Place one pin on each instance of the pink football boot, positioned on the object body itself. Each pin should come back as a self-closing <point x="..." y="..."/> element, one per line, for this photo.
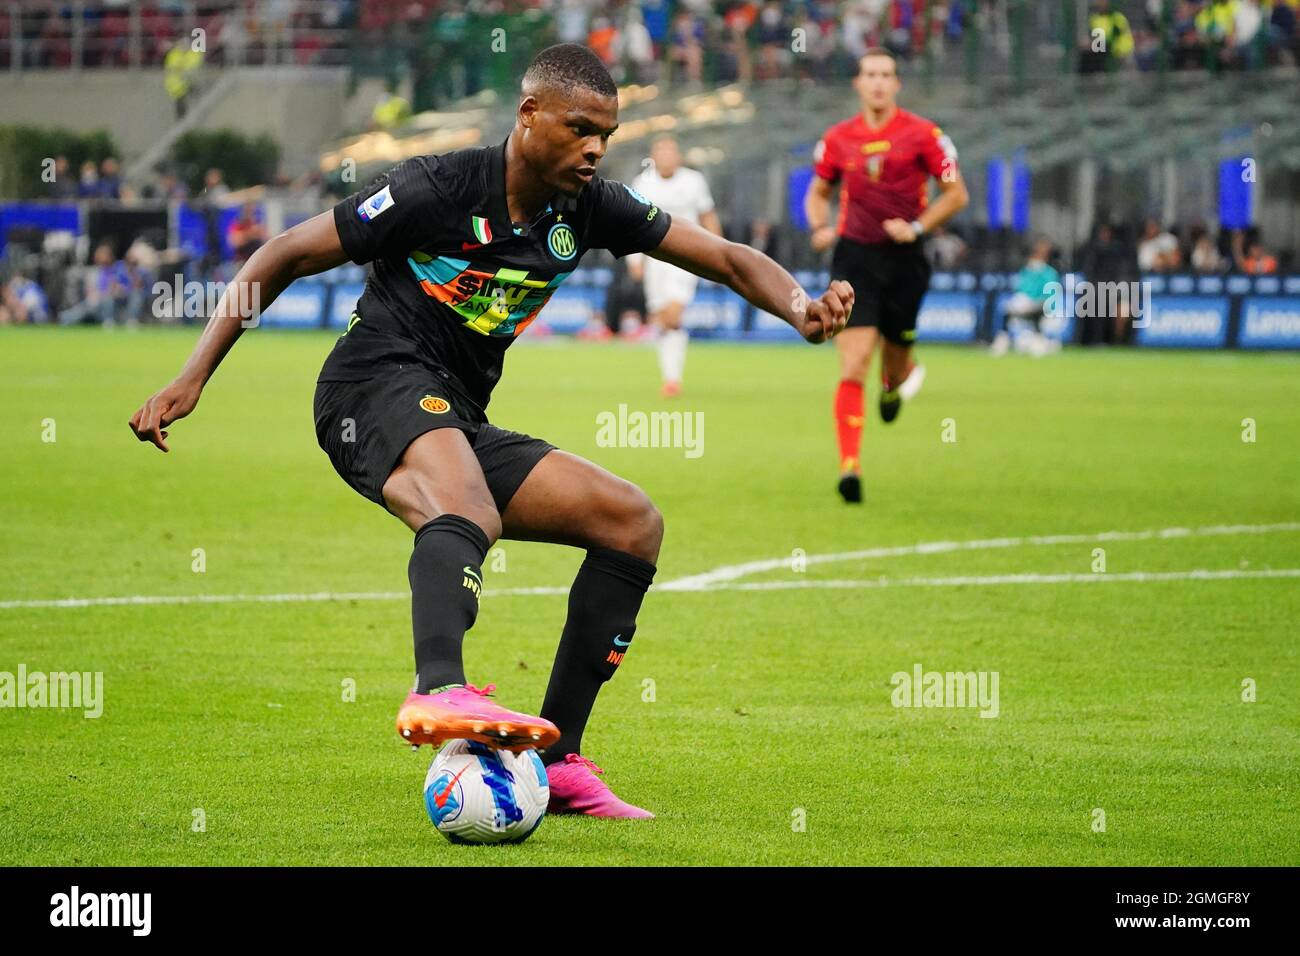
<point x="575" y="788"/>
<point x="465" y="713"/>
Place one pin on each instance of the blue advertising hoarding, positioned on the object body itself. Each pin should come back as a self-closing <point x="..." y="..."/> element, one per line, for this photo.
<point x="301" y="306"/>
<point x="343" y="299"/>
<point x="1185" y="322"/>
<point x="949" y="317"/>
<point x="1269" y="322"/>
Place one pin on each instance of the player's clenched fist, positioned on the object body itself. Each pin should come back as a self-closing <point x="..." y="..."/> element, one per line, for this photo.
<point x="826" y="316"/>
<point x="172" y="403"/>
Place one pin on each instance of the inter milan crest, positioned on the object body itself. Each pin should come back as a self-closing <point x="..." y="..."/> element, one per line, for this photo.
<point x="562" y="242"/>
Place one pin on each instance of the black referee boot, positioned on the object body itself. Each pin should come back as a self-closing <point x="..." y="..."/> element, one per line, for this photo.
<point x="851" y="489"/>
<point x="891" y="403"/>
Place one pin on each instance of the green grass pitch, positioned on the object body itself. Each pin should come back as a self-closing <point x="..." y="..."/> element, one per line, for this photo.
<point x="754" y="718"/>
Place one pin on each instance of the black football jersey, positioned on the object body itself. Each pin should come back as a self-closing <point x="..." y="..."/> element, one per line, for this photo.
<point x="455" y="281"/>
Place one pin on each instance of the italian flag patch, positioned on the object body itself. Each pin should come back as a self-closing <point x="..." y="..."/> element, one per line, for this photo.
<point x="482" y="231"/>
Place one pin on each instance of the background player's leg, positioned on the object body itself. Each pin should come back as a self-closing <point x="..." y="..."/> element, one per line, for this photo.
<point x="671" y="346"/>
<point x="895" y="365"/>
<point x="911" y="384"/>
<point x="896" y="368"/>
<point x="1001" y="343"/>
<point x="905" y="293"/>
<point x="439" y="491"/>
<point x="855" y="346"/>
<point x="568" y="500"/>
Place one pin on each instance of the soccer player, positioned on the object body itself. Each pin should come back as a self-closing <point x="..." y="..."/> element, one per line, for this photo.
<point x="882" y="159"/>
<point x="467" y="248"/>
<point x="684" y="194"/>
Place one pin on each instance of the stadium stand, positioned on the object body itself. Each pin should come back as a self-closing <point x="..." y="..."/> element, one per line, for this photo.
<point x="697" y="40"/>
<point x="1048" y="128"/>
<point x="50" y="34"/>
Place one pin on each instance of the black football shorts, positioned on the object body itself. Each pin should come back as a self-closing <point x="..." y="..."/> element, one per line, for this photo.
<point x="889" y="282"/>
<point x="365" y="426"/>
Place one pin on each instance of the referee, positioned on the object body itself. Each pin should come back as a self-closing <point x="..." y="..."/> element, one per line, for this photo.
<point x="882" y="159"/>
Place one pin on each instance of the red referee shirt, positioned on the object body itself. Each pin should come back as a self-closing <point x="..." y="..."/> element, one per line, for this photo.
<point x="884" y="173"/>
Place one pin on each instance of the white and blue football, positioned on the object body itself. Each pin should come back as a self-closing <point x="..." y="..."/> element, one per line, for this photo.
<point x="475" y="794"/>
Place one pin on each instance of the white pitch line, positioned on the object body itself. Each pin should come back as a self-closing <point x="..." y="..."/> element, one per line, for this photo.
<point x="154" y="599"/>
<point x="733" y="571"/>
<point x="1200" y="574"/>
<point x="312" y="597"/>
<point x="724" y="578"/>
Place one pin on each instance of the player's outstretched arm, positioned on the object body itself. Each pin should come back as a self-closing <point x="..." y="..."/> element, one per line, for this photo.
<point x="306" y="249"/>
<point x="759" y="279"/>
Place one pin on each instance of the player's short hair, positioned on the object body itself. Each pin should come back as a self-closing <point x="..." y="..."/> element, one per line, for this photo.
<point x="566" y="66"/>
<point x="879" y="51"/>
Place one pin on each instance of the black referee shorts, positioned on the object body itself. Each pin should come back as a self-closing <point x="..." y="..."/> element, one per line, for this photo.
<point x="365" y="427"/>
<point x="889" y="281"/>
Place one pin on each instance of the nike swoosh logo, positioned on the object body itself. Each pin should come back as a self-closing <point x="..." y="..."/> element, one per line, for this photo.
<point x="619" y="643"/>
<point x="467" y="246"/>
<point x="472" y="573"/>
<point x="441" y="798"/>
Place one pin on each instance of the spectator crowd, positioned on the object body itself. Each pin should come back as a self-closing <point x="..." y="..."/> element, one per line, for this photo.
<point x="1192" y="34"/>
<point x="52" y="281"/>
<point x="695" y="40"/>
<point x="757" y="40"/>
<point x="58" y="34"/>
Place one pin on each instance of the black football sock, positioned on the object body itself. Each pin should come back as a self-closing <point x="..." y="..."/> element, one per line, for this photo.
<point x="446" y="576"/>
<point x="603" y="604"/>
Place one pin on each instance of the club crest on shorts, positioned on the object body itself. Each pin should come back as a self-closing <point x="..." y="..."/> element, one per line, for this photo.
<point x="434" y="404"/>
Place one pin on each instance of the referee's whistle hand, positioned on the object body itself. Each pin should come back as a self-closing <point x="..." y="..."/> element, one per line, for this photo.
<point x="900" y="230"/>
<point x="826" y="315"/>
<point x="823" y="238"/>
<point x="170" y="404"/>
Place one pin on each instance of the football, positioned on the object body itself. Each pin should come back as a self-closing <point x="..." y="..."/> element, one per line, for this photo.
<point x="475" y="794"/>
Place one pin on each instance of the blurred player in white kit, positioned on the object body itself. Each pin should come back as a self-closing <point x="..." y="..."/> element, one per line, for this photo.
<point x="681" y="192"/>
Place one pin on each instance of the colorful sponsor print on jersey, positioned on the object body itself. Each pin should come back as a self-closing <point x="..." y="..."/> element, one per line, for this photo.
<point x="490" y="300"/>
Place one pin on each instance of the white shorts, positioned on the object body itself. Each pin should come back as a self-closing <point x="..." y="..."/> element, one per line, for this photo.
<point x="666" y="283"/>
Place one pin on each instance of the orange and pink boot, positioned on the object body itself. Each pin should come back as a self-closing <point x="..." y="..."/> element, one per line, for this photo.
<point x="463" y="712"/>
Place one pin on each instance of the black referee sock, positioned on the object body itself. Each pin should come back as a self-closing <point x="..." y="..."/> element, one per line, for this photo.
<point x="446" y="576"/>
<point x="603" y="604"/>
